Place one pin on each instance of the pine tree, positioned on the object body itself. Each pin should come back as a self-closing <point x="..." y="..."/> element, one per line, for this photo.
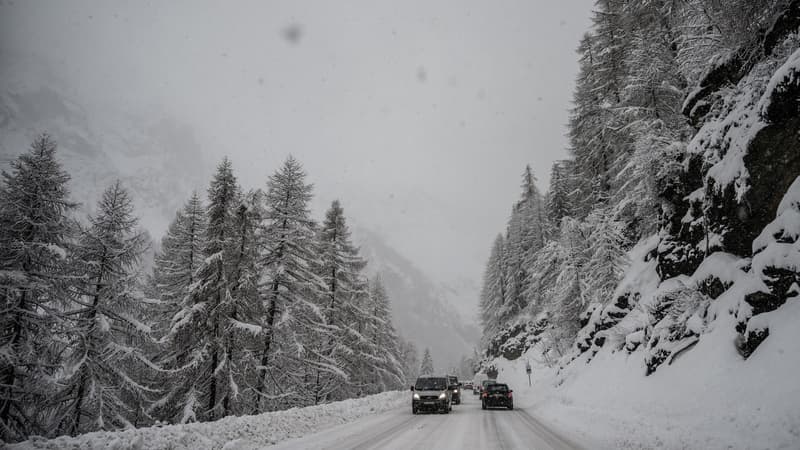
<point x="493" y="291"/>
<point x="534" y="217"/>
<point x="410" y="359"/>
<point x="35" y="246"/>
<point x="245" y="309"/>
<point x="558" y="201"/>
<point x="198" y="331"/>
<point x="344" y="324"/>
<point x="174" y="274"/>
<point x="180" y="256"/>
<point x="606" y="259"/>
<point x="545" y="270"/>
<point x="526" y="234"/>
<point x="710" y="29"/>
<point x="387" y="356"/>
<point x="99" y="389"/>
<point x="652" y="98"/>
<point x="599" y="141"/>
<point x="571" y="295"/>
<point x="288" y="285"/>
<point x="426" y="367"/>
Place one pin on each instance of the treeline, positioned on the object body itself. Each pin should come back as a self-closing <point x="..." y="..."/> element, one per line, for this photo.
<point x="563" y="252"/>
<point x="252" y="306"/>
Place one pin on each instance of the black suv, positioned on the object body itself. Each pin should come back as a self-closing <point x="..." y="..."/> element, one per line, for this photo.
<point x="431" y="393"/>
<point x="455" y="389"/>
<point x="497" y="394"/>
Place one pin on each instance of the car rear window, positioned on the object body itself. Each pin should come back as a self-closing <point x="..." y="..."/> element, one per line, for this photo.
<point x="497" y="388"/>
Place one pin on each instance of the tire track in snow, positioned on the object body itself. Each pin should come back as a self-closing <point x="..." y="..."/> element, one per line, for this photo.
<point x="383" y="435"/>
<point x="499" y="434"/>
<point x="544" y="433"/>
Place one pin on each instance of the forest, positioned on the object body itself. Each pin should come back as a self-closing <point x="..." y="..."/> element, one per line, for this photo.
<point x="251" y="306"/>
<point x="680" y="152"/>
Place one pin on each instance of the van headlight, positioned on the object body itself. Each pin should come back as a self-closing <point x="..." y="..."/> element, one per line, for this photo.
<point x="416" y="396"/>
<point x="455" y="391"/>
<point x="442" y="396"/>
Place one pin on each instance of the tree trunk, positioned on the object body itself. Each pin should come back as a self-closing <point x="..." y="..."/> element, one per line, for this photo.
<point x="9" y="372"/>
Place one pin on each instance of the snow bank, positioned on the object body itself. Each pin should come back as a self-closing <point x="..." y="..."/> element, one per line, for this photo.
<point x="709" y="397"/>
<point x="247" y="432"/>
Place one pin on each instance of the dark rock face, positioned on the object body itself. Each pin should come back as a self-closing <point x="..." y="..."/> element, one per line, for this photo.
<point x="772" y="160"/>
<point x="747" y="346"/>
<point x="669" y="330"/>
<point x="713" y="287"/>
<point x="727" y="72"/>
<point x="678" y="251"/>
<point x="779" y="282"/>
<point x="604" y="319"/>
<point x="773" y="156"/>
<point x="513" y="341"/>
<point x="786" y="23"/>
<point x="731" y="70"/>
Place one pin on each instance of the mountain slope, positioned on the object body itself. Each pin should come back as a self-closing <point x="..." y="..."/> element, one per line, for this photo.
<point x="697" y="345"/>
<point x="420" y="311"/>
<point x="151" y="154"/>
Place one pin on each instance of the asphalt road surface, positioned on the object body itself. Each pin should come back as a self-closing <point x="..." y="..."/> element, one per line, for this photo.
<point x="466" y="427"/>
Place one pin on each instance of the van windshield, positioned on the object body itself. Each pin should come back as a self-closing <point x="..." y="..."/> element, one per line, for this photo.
<point x="430" y="384"/>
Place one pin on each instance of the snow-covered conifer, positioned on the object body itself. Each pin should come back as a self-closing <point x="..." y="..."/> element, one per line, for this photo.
<point x="410" y="358"/>
<point x="288" y="285"/>
<point x="99" y="387"/>
<point x="35" y="242"/>
<point x="197" y="335"/>
<point x="387" y="357"/>
<point x="493" y="290"/>
<point x="181" y="254"/>
<point x="606" y="258"/>
<point x="426" y="367"/>
<point x="345" y="321"/>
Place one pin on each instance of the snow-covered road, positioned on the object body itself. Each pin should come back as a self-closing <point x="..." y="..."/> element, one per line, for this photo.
<point x="466" y="427"/>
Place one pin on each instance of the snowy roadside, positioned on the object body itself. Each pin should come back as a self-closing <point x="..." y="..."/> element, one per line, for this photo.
<point x="708" y="398"/>
<point x="246" y="432"/>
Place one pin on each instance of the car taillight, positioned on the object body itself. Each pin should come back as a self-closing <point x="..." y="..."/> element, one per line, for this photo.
<point x="485" y="395"/>
<point x="509" y="395"/>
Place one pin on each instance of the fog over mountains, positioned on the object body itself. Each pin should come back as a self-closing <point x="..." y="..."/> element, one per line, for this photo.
<point x="151" y="153"/>
<point x="425" y="312"/>
<point x="161" y="160"/>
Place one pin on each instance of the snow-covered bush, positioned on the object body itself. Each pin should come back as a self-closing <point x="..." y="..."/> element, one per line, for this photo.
<point x="677" y="318"/>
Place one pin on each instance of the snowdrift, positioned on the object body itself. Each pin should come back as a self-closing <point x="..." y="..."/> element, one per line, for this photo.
<point x="247" y="432"/>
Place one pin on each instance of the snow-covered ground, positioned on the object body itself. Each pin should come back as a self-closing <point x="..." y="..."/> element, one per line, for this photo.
<point x="230" y="433"/>
<point x="709" y="397"/>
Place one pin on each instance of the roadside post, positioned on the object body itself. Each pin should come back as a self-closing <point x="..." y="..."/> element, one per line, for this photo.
<point x="528" y="370"/>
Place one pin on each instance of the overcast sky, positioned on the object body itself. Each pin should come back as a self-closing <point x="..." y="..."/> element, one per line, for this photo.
<point x="419" y="115"/>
